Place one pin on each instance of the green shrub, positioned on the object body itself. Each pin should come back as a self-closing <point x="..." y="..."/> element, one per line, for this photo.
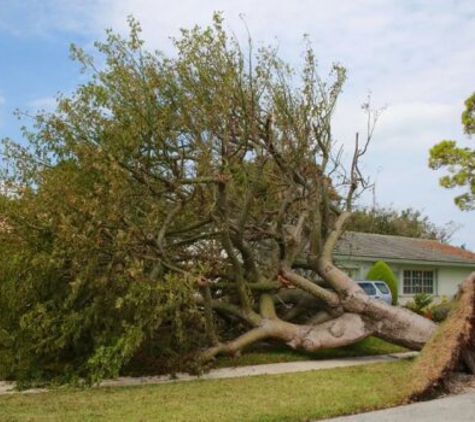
<point x="441" y="312"/>
<point x="423" y="300"/>
<point x="381" y="271"/>
<point x="421" y="304"/>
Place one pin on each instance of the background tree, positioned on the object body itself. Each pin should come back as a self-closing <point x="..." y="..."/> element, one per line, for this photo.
<point x="169" y="197"/>
<point x="458" y="161"/>
<point x="408" y="222"/>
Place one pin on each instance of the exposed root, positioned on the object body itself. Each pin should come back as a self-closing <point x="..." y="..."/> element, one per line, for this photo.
<point x="451" y="349"/>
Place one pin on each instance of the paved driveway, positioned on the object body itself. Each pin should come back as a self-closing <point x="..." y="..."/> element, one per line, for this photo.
<point x="460" y="408"/>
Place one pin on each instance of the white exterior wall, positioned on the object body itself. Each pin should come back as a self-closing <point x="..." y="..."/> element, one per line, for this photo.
<point x="447" y="278"/>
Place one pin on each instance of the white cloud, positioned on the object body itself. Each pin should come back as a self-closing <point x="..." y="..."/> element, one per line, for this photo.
<point x="415" y="125"/>
<point x="45" y="103"/>
<point x="416" y="57"/>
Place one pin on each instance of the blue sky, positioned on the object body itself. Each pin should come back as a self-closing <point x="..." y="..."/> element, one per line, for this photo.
<point x="416" y="57"/>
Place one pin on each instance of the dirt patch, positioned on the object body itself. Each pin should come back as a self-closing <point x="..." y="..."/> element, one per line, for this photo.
<point x="461" y="383"/>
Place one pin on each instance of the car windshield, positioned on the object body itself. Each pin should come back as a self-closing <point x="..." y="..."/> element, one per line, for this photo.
<point x="369" y="289"/>
<point x="382" y="288"/>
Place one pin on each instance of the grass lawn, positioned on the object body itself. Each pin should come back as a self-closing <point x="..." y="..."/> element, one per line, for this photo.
<point x="367" y="347"/>
<point x="275" y="398"/>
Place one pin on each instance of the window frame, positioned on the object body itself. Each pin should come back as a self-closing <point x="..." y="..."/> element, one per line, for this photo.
<point x="412" y="290"/>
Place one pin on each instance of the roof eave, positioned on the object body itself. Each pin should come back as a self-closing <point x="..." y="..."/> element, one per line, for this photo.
<point x="405" y="261"/>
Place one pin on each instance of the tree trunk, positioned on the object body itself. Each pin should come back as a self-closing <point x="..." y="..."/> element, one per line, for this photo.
<point x="394" y="324"/>
<point x="348" y="315"/>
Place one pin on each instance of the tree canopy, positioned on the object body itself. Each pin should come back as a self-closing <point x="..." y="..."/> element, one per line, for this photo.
<point x="458" y="161"/>
<point x="193" y="201"/>
<point x="408" y="222"/>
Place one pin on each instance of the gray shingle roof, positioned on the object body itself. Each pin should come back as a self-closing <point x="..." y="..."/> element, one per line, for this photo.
<point x="378" y="246"/>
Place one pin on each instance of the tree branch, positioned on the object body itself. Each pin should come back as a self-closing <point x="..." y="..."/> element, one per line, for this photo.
<point x="327" y="296"/>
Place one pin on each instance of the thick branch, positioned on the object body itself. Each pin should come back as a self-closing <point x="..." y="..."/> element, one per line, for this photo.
<point x="327" y="296"/>
<point x="344" y="330"/>
<point x="334" y="235"/>
<point x="339" y="332"/>
<point x="236" y="345"/>
<point x="262" y="285"/>
<point x="208" y="313"/>
<point x="249" y="317"/>
<point x="228" y="247"/>
<point x="266" y="306"/>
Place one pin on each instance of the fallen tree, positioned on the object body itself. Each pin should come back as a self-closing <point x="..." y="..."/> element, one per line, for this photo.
<point x="202" y="193"/>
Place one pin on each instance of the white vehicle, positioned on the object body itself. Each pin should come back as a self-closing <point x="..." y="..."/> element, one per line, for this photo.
<point x="377" y="289"/>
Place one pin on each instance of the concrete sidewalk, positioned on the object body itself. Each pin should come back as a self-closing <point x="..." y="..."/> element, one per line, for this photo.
<point x="242" y="371"/>
<point x="266" y="369"/>
<point x="460" y="408"/>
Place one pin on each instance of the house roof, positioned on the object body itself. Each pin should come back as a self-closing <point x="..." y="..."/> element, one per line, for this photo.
<point x="399" y="248"/>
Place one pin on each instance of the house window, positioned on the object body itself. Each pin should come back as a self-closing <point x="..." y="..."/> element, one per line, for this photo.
<point x="418" y="281"/>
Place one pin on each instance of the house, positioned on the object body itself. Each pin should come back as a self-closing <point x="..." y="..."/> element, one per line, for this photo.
<point x="421" y="265"/>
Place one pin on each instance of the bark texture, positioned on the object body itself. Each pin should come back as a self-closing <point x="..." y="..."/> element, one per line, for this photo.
<point x="355" y="318"/>
<point x="343" y="314"/>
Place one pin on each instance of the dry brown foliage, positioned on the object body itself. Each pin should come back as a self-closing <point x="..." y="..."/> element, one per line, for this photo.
<point x="450" y="349"/>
